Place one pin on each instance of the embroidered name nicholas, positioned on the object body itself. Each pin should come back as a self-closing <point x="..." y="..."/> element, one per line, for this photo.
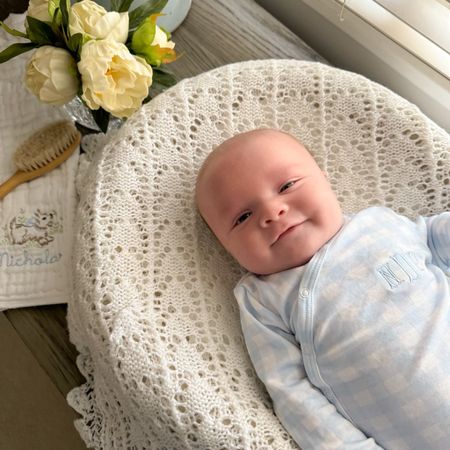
<point x="26" y="258"/>
<point x="400" y="268"/>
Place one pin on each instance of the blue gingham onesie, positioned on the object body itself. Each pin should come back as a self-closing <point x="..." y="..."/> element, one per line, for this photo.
<point x="354" y="346"/>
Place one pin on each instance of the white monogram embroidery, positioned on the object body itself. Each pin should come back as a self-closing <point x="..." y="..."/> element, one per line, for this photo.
<point x="401" y="268"/>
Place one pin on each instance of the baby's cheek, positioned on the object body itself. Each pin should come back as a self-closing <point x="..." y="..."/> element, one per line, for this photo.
<point x="250" y="258"/>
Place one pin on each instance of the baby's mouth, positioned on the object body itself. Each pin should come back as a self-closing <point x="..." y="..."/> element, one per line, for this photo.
<point x="286" y="232"/>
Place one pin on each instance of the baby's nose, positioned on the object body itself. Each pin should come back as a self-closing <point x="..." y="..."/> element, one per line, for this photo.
<point x="273" y="212"/>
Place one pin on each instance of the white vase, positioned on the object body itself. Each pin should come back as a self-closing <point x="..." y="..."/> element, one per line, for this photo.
<point x="174" y="12"/>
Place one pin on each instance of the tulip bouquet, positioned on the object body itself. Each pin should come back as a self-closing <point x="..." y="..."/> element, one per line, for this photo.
<point x="113" y="60"/>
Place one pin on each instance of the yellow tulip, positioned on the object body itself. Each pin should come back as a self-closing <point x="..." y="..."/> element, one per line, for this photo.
<point x="113" y="78"/>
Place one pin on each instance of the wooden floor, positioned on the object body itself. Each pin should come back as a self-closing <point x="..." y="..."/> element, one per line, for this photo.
<point x="34" y="413"/>
<point x="37" y="360"/>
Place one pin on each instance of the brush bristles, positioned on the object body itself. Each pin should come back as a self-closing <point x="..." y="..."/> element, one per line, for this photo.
<point x="45" y="145"/>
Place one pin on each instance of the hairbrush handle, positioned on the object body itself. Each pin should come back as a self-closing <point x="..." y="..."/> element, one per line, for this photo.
<point x="18" y="178"/>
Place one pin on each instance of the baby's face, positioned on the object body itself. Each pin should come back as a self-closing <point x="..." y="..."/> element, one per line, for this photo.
<point x="268" y="202"/>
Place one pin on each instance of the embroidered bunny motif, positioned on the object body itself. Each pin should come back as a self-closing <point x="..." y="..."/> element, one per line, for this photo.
<point x="39" y="229"/>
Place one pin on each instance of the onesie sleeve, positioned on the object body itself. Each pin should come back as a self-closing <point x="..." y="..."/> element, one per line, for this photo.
<point x="308" y="416"/>
<point x="438" y="238"/>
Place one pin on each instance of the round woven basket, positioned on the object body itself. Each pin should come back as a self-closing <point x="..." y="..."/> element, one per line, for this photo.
<point x="153" y="315"/>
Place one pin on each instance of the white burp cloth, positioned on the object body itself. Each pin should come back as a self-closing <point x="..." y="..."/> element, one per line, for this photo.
<point x="36" y="217"/>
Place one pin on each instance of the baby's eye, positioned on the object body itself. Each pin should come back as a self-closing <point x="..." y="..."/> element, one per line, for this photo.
<point x="287" y="185"/>
<point x="242" y="218"/>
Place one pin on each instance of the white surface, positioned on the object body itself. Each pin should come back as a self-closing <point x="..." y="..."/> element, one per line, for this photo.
<point x="429" y="17"/>
<point x="400" y="32"/>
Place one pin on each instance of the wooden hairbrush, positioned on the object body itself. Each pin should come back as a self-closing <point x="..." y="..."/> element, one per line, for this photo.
<point x="43" y="151"/>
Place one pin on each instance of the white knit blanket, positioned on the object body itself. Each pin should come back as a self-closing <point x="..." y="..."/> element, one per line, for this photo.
<point x="153" y="315"/>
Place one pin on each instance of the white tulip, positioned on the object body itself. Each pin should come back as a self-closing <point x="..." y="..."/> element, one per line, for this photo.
<point x="39" y="10"/>
<point x="113" y="78"/>
<point x="161" y="39"/>
<point x="152" y="43"/>
<point x="51" y="75"/>
<point x="90" y="19"/>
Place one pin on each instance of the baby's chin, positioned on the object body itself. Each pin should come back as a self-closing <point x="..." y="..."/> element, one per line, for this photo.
<point x="293" y="256"/>
<point x="272" y="267"/>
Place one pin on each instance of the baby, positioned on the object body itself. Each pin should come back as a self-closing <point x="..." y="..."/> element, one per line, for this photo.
<point x="346" y="318"/>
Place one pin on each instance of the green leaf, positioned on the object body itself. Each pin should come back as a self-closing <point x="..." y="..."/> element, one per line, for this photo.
<point x="125" y="6"/>
<point x="75" y="42"/>
<point x="12" y="30"/>
<point x="56" y="20"/>
<point x="163" y="77"/>
<point x="121" y="5"/>
<point x="40" y="32"/>
<point x="115" y="5"/>
<point x="161" y="81"/>
<point x="53" y="5"/>
<point x="101" y="118"/>
<point x="142" y="12"/>
<point x="15" y="50"/>
<point x="64" y="6"/>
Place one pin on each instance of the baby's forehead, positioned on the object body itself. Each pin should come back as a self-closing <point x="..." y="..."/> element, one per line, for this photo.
<point x="254" y="145"/>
